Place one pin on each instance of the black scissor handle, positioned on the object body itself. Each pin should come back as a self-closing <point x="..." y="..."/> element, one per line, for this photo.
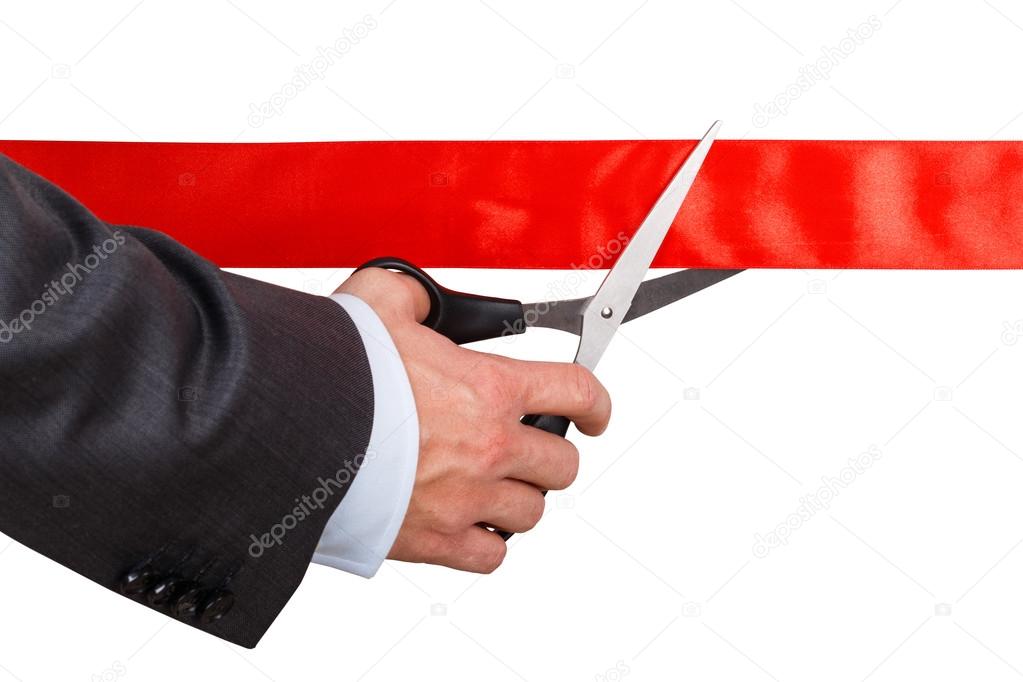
<point x="461" y="317"/>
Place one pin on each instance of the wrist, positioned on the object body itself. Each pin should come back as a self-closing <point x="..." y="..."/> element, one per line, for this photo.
<point x="361" y="532"/>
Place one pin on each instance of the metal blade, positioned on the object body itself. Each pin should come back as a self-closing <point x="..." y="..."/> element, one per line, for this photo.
<point x="566" y="316"/>
<point x="656" y="293"/>
<point x="609" y="306"/>
<point x="653" y="294"/>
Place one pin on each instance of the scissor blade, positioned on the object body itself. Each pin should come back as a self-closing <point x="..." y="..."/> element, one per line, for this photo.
<point x="609" y="306"/>
<point x="653" y="294"/>
<point x="656" y="293"/>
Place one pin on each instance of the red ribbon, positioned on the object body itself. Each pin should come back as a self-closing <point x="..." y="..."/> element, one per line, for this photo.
<point x="798" y="204"/>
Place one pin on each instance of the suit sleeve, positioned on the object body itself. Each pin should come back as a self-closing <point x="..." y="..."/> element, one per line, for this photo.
<point x="175" y="433"/>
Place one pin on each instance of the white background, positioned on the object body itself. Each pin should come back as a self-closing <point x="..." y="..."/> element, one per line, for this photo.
<point x="645" y="568"/>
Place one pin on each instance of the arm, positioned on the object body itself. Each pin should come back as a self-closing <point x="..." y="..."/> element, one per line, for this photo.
<point x="161" y="412"/>
<point x="182" y="435"/>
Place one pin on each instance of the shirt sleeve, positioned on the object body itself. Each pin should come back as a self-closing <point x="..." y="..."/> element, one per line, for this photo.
<point x="363" y="528"/>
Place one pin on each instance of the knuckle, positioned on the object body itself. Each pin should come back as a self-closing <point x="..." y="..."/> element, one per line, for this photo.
<point x="385" y="290"/>
<point x="534" y="510"/>
<point x="492" y="556"/>
<point x="570" y="468"/>
<point x="492" y="382"/>
<point x="449" y="512"/>
<point x="587" y="392"/>
<point x="375" y="277"/>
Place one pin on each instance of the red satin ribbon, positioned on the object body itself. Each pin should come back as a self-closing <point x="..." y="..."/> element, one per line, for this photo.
<point x="799" y="204"/>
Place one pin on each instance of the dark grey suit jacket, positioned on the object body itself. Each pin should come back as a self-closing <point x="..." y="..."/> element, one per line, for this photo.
<point x="164" y="425"/>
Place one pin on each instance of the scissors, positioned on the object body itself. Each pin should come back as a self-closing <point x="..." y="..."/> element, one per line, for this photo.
<point x="622" y="297"/>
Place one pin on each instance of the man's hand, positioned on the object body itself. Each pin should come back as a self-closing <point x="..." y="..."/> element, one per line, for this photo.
<point x="477" y="463"/>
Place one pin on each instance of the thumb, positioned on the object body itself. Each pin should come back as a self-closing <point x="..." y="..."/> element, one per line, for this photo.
<point x="391" y="295"/>
<point x="418" y="295"/>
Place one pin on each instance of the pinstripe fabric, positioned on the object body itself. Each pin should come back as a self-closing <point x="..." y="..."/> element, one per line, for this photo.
<point x="149" y="400"/>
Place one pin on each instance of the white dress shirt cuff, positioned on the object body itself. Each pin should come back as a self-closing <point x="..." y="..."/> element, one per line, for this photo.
<point x="362" y="529"/>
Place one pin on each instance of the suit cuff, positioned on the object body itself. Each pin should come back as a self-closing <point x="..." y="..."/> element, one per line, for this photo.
<point x="362" y="529"/>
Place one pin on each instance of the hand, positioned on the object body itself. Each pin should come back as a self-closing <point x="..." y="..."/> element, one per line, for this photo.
<point x="477" y="463"/>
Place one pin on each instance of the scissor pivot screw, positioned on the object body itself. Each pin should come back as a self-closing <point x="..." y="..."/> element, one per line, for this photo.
<point x="606" y="312"/>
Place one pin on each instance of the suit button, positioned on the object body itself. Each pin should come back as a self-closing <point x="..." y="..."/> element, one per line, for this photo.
<point x="216" y="606"/>
<point x="190" y="596"/>
<point x="163" y="591"/>
<point x="137" y="580"/>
